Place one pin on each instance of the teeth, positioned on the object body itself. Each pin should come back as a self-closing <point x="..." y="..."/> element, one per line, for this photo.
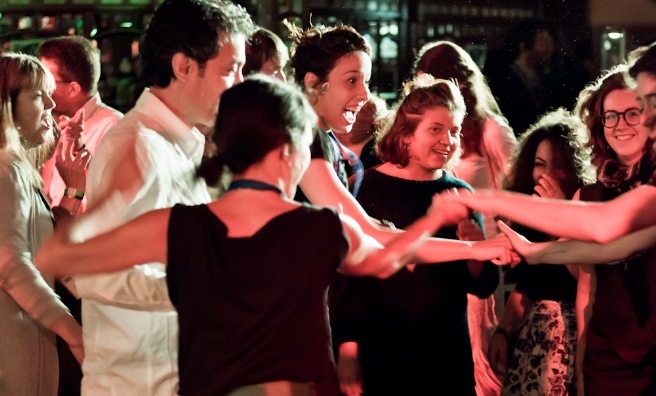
<point x="624" y="137"/>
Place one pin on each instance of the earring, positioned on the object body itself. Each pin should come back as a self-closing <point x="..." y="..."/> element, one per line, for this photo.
<point x="324" y="88"/>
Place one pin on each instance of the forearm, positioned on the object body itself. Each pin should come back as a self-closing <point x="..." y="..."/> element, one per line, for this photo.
<point x="587" y="221"/>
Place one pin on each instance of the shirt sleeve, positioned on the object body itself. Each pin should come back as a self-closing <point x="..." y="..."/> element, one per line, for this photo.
<point x="18" y="276"/>
<point x="142" y="287"/>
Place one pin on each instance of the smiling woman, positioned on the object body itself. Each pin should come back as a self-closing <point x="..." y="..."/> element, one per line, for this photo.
<point x="420" y="312"/>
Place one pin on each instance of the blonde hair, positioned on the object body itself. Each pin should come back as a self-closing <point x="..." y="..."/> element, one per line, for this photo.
<point x="19" y="72"/>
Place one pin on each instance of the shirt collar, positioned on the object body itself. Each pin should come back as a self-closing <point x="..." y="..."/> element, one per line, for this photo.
<point x="190" y="140"/>
<point x="90" y="106"/>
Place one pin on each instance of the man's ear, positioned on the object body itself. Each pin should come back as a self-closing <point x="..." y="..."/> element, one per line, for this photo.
<point x="182" y="66"/>
<point x="310" y="81"/>
<point x="73" y="89"/>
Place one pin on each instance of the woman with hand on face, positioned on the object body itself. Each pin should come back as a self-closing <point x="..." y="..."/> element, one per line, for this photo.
<point x="248" y="273"/>
<point x="412" y="335"/>
<point x="551" y="161"/>
<point x="31" y="311"/>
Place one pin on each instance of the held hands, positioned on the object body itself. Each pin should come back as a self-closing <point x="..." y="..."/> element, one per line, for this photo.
<point x="548" y="187"/>
<point x="520" y="245"/>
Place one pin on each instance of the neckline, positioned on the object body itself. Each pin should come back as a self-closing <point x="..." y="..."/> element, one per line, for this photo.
<point x="252" y="184"/>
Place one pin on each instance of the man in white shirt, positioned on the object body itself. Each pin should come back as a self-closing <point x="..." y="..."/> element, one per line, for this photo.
<point x="193" y="50"/>
<point x="75" y="64"/>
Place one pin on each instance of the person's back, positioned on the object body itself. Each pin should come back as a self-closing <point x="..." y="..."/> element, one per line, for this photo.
<point x="251" y="299"/>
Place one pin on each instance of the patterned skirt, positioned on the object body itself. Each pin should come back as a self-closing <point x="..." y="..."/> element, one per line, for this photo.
<point x="542" y="363"/>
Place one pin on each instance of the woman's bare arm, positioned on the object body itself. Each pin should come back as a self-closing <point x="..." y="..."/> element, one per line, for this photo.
<point x="587" y="221"/>
<point x="322" y="187"/>
<point x="141" y="240"/>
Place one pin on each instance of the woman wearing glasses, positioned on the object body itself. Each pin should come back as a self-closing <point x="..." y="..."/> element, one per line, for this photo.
<point x="611" y="306"/>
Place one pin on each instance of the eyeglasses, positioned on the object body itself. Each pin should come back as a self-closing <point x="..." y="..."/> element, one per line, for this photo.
<point x="611" y="118"/>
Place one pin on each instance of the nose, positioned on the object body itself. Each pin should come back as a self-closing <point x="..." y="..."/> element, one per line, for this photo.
<point x="363" y="93"/>
<point x="48" y="102"/>
<point x="239" y="77"/>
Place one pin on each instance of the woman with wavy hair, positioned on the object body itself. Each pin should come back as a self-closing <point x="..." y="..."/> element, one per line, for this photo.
<point x="411" y="333"/>
<point x="31" y="311"/>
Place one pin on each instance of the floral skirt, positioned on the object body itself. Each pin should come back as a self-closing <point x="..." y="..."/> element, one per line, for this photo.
<point x="543" y="359"/>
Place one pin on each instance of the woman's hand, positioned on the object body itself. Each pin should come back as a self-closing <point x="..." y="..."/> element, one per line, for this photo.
<point x="498" y="354"/>
<point x="447" y="211"/>
<point x="72" y="129"/>
<point x="71" y="164"/>
<point x="522" y="246"/>
<point x="548" y="187"/>
<point x="497" y="250"/>
<point x="349" y="370"/>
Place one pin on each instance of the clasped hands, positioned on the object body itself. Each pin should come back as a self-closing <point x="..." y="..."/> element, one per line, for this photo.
<point x="508" y="247"/>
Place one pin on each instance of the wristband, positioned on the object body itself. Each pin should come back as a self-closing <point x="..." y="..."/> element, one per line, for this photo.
<point x="74" y="193"/>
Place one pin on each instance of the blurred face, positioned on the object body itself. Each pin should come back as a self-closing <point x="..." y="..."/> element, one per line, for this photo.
<point x="545" y="163"/>
<point x="434" y="141"/>
<point x="33" y="115"/>
<point x="344" y="93"/>
<point x="543" y="47"/>
<point x="628" y="141"/>
<point x="60" y="95"/>
<point x="220" y="73"/>
<point x="274" y="68"/>
<point x="646" y="93"/>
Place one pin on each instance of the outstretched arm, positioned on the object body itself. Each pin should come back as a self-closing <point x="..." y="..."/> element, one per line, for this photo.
<point x="141" y="240"/>
<point x="573" y="251"/>
<point x="588" y="221"/>
<point x="322" y="187"/>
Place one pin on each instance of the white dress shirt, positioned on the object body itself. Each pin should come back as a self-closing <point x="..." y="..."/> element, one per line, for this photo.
<point x="98" y="119"/>
<point x="130" y="327"/>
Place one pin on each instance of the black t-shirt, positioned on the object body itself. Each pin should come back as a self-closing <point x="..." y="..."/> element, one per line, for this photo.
<point x="252" y="309"/>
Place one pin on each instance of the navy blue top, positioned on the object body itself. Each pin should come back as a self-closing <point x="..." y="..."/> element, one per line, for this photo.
<point x="412" y="327"/>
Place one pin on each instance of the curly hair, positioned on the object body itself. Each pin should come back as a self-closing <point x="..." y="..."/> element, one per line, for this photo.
<point x="446" y="60"/>
<point x="590" y="109"/>
<point x="643" y="60"/>
<point x="566" y="134"/>
<point x="194" y="28"/>
<point x="421" y="93"/>
<point x="317" y="49"/>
